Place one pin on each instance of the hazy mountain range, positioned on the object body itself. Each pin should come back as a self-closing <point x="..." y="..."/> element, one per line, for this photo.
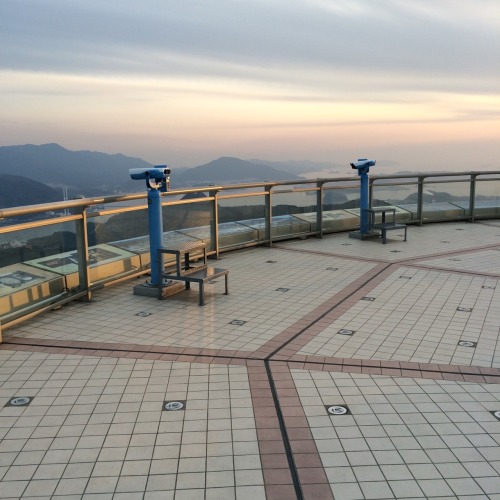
<point x="91" y="173"/>
<point x="82" y="172"/>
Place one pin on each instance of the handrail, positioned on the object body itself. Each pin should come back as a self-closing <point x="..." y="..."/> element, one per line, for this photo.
<point x="86" y="202"/>
<point x="437" y="174"/>
<point x="61" y="205"/>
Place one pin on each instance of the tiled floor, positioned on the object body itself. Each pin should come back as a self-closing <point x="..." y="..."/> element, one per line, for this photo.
<point x="433" y="239"/>
<point x="308" y="324"/>
<point x="419" y="316"/>
<point x="98" y="426"/>
<point x="270" y="290"/>
<point x="480" y="262"/>
<point x="403" y="437"/>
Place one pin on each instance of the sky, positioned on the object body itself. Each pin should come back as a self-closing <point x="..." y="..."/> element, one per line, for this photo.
<point x="184" y="82"/>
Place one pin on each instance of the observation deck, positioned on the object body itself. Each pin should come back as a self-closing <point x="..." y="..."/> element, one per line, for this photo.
<point x="336" y="368"/>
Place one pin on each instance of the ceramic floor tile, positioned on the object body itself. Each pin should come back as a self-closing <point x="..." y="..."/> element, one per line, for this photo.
<point x="423" y="336"/>
<point x="120" y="459"/>
<point x="385" y="467"/>
<point x="96" y="425"/>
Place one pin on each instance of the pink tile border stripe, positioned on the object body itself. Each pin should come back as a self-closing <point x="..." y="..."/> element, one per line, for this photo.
<point x="311" y="473"/>
<point x="477" y="374"/>
<point x="325" y="309"/>
<point x="404" y="260"/>
<point x="436" y="371"/>
<point x="278" y="480"/>
<point x="333" y="309"/>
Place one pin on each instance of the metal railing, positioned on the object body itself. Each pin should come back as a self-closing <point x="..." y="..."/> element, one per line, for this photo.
<point x="61" y="268"/>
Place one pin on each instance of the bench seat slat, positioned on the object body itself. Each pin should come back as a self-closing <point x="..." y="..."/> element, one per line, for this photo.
<point x="387" y="226"/>
<point x="201" y="276"/>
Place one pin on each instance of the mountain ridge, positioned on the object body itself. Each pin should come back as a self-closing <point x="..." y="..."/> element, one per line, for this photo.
<point x="230" y="169"/>
<point x="92" y="173"/>
<point x="16" y="190"/>
<point x="82" y="172"/>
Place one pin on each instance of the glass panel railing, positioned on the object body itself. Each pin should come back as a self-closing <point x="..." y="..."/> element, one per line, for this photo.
<point x="487" y="199"/>
<point x="294" y="213"/>
<point x="119" y="242"/>
<point x="114" y="227"/>
<point x="402" y="195"/>
<point x="242" y="220"/>
<point x="446" y="199"/>
<point x="340" y="196"/>
<point x="18" y="246"/>
<point x="36" y="265"/>
<point x="187" y="222"/>
<point x="340" y="207"/>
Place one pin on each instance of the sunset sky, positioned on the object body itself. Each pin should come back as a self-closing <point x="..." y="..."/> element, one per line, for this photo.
<point x="183" y="81"/>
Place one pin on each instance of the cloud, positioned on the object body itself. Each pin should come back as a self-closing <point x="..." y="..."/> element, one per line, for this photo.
<point x="180" y="71"/>
<point x="249" y="40"/>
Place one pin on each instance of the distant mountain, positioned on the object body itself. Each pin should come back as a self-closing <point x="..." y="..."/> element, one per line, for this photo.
<point x="82" y="172"/>
<point x="227" y="170"/>
<point x="91" y="173"/>
<point x="16" y="191"/>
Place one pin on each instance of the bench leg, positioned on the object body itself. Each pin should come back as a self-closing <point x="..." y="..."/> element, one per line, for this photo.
<point x="202" y="298"/>
<point x="384" y="236"/>
<point x="405" y="232"/>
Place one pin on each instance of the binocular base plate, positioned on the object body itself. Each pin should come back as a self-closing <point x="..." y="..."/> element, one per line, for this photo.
<point x="358" y="235"/>
<point x="169" y="288"/>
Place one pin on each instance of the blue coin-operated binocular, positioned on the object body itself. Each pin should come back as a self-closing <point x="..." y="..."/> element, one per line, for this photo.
<point x="159" y="175"/>
<point x="363" y="167"/>
<point x="157" y="182"/>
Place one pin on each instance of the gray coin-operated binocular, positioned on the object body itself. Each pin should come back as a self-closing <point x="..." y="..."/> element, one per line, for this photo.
<point x="363" y="165"/>
<point x="156" y="177"/>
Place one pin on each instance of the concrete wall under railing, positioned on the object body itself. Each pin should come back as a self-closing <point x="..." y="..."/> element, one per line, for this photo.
<point x="37" y="282"/>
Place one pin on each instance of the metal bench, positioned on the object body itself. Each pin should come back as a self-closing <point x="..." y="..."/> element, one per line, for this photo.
<point x="191" y="274"/>
<point x="387" y="226"/>
<point x="201" y="275"/>
<point x="384" y="226"/>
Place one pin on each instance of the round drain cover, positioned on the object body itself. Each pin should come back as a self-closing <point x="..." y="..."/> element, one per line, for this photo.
<point x="346" y="332"/>
<point x="337" y="410"/>
<point x="174" y="405"/>
<point x="19" y="401"/>
<point x="466" y="343"/>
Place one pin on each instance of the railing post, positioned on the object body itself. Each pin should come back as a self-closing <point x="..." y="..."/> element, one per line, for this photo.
<point x="420" y="200"/>
<point x="319" y="208"/>
<point x="370" y="192"/>
<point x="472" y="197"/>
<point x="82" y="250"/>
<point x="214" y="222"/>
<point x="269" y="217"/>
